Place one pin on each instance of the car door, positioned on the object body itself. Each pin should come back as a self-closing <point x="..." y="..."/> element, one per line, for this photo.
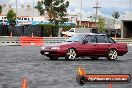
<point x="102" y="44"/>
<point x="89" y="46"/>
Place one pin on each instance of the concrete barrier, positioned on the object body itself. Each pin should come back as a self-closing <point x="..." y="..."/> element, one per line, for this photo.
<point x="15" y="41"/>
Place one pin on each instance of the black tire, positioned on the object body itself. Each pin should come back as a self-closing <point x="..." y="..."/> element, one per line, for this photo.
<point x="53" y="58"/>
<point x="94" y="58"/>
<point x="41" y="52"/>
<point x="112" y="54"/>
<point x="71" y="54"/>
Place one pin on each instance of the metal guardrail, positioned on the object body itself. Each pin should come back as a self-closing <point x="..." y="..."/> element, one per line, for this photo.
<point x="15" y="41"/>
<point x="53" y="40"/>
<point x="124" y="40"/>
<point x="7" y="40"/>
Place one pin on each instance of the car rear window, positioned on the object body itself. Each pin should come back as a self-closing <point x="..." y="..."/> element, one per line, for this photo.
<point x="75" y="38"/>
<point x="104" y="39"/>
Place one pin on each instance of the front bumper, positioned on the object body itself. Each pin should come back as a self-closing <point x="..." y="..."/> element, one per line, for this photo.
<point x="53" y="52"/>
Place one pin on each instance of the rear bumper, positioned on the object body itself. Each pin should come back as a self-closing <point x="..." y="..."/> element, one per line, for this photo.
<point x="48" y="53"/>
<point x="122" y="52"/>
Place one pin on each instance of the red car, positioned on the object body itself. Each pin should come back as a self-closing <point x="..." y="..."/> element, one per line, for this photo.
<point x="81" y="45"/>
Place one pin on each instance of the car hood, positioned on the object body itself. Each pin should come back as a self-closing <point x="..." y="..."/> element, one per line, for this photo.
<point x="62" y="44"/>
<point x="65" y="32"/>
<point x="58" y="45"/>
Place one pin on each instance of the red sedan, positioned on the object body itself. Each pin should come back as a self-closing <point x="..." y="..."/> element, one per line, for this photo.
<point x="81" y="45"/>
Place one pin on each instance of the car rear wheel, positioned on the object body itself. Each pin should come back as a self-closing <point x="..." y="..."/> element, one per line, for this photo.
<point x="94" y="58"/>
<point x="112" y="54"/>
<point x="53" y="58"/>
<point x="71" y="54"/>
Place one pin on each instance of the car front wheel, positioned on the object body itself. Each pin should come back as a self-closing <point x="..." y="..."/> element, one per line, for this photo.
<point x="71" y="54"/>
<point x="112" y="54"/>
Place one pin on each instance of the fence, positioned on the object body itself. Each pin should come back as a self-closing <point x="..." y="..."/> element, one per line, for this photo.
<point x="27" y="30"/>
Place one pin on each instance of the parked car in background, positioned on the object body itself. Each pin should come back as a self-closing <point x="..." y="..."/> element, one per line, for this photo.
<point x="74" y="31"/>
<point x="81" y="45"/>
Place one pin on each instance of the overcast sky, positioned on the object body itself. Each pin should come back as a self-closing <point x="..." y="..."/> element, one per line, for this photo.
<point x="107" y="6"/>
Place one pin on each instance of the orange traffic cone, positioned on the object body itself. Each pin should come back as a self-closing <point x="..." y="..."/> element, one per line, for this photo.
<point x="24" y="83"/>
<point x="110" y="85"/>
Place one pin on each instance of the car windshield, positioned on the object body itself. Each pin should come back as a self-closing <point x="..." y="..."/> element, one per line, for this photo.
<point x="75" y="38"/>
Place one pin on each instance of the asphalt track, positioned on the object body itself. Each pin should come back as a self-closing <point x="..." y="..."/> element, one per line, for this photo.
<point x="17" y="62"/>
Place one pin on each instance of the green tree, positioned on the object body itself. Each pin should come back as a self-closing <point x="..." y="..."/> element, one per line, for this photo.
<point x="56" y="9"/>
<point x="101" y="24"/>
<point x="11" y="17"/>
<point x="115" y="15"/>
<point x="0" y="9"/>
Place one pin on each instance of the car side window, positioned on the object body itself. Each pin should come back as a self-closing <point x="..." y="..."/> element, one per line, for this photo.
<point x="91" y="39"/>
<point x="101" y="39"/>
<point x="107" y="40"/>
<point x="111" y="40"/>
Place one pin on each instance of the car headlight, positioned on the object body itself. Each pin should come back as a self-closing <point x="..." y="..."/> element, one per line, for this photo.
<point x="55" y="48"/>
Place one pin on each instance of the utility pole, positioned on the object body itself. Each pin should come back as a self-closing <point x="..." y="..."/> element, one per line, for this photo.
<point x="130" y="5"/>
<point x="80" y="14"/>
<point x="16" y="11"/>
<point x="96" y="7"/>
<point x="33" y="8"/>
<point x="114" y="17"/>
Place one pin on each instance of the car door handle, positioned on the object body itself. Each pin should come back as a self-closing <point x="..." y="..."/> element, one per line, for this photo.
<point x="108" y="45"/>
<point x="94" y="45"/>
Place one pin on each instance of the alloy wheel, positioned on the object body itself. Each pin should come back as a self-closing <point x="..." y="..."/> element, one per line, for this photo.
<point x="71" y="54"/>
<point x="112" y="54"/>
